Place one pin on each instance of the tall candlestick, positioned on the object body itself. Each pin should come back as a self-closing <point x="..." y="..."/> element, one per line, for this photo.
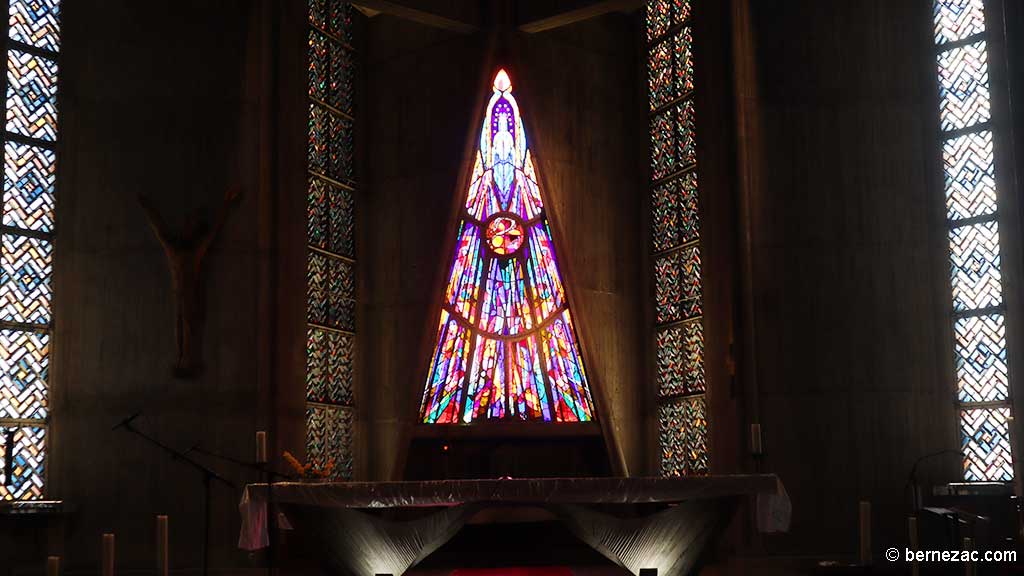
<point x="755" y="439"/>
<point x="108" y="555"/>
<point x="261" y="447"/>
<point x="865" y="532"/>
<point x="161" y="546"/>
<point x="53" y="566"/>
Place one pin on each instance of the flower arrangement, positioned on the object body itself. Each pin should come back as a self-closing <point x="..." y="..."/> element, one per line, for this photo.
<point x="308" y="471"/>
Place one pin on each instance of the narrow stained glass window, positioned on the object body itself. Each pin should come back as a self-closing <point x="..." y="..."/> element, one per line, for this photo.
<point x="972" y="211"/>
<point x="330" y="265"/>
<point x="505" y="347"/>
<point x="27" y="228"/>
<point x="676" y="240"/>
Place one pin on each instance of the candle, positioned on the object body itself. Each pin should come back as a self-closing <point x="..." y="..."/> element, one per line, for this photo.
<point x="161" y="545"/>
<point x="53" y="566"/>
<point x="108" y="555"/>
<point x="865" y="532"/>
<point x="261" y="447"/>
<point x="755" y="439"/>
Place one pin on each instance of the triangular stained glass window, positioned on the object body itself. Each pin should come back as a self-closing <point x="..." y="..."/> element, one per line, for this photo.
<point x="506" y="348"/>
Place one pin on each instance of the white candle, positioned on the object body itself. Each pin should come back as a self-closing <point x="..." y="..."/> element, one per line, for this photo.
<point x="53" y="566"/>
<point x="865" y="532"/>
<point x="108" y="555"/>
<point x="261" y="447"/>
<point x="755" y="439"/>
<point x="161" y="545"/>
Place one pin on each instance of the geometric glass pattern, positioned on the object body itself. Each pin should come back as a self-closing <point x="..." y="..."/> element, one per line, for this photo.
<point x="506" y="348"/>
<point x="34" y="22"/>
<point x="329" y="438"/>
<point x="330" y="237"/>
<point x="670" y="70"/>
<point x="677" y="285"/>
<point x="981" y="358"/>
<point x="24" y="363"/>
<point x="963" y="86"/>
<point x="681" y="359"/>
<point x="683" y="433"/>
<point x="985" y="442"/>
<point x="958" y="19"/>
<point x="974" y="258"/>
<point x="972" y="211"/>
<point x="31" y="95"/>
<point x="675" y="214"/>
<point x="28" y="462"/>
<point x="26" y="242"/>
<point x="969" y="176"/>
<point x="676" y="240"/>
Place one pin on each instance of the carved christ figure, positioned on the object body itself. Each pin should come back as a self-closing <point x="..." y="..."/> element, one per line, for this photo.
<point x="185" y="254"/>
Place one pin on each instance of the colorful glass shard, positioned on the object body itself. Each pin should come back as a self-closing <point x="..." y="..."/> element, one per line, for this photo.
<point x="24" y="364"/>
<point x="963" y="86"/>
<point x="29" y="173"/>
<point x="985" y="443"/>
<point x="683" y="433"/>
<point x="329" y="367"/>
<point x="34" y="22"/>
<point x="28" y="470"/>
<point x="958" y="19"/>
<point x="506" y="310"/>
<point x="670" y="69"/>
<point x="672" y="141"/>
<point x="525" y="362"/>
<point x="681" y="359"/>
<point x="970" y="176"/>
<point x="676" y="215"/>
<point x="329" y="432"/>
<point x="31" y="95"/>
<point x="975" y="262"/>
<point x="25" y="279"/>
<point x="464" y="279"/>
<point x="981" y="359"/>
<point x="678" y="285"/>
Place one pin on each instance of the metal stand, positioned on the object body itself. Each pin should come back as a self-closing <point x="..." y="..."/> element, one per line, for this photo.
<point x="208" y="477"/>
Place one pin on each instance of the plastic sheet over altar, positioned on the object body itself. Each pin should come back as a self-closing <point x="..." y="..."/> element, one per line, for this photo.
<point x="563" y="494"/>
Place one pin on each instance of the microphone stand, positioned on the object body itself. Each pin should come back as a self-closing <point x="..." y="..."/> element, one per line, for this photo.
<point x="208" y="477"/>
<point x="268" y="475"/>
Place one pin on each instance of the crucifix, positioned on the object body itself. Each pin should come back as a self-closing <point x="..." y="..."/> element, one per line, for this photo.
<point x="185" y="254"/>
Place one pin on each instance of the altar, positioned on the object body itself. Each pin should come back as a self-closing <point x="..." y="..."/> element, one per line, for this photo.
<point x="368" y="528"/>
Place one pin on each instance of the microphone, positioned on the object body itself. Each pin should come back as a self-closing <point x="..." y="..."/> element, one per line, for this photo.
<point x="127" y="421"/>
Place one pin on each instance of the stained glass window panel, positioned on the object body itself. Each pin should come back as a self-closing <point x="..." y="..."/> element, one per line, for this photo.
<point x="505" y="348"/>
<point x="329" y="367"/>
<point x="24" y="364"/>
<point x="331" y="292"/>
<point x="963" y="86"/>
<point x="31" y="95"/>
<point x="29" y="462"/>
<point x="670" y="69"/>
<point x="681" y="359"/>
<point x="976" y="277"/>
<point x="676" y="213"/>
<point x="28" y="187"/>
<point x="677" y="285"/>
<point x="683" y="437"/>
<point x="981" y="359"/>
<point x="970" y="177"/>
<point x="34" y="22"/>
<point x="330" y="144"/>
<point x="25" y="279"/>
<point x="329" y="439"/>
<point x="334" y="17"/>
<point x="985" y="442"/>
<point x="672" y="140"/>
<point x="662" y="15"/>
<point x="958" y="19"/>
